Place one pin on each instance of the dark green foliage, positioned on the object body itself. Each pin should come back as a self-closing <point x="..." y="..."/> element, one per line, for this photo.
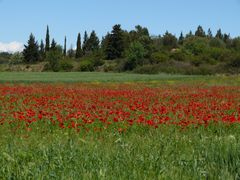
<point x="66" y="65"/>
<point x="93" y="42"/>
<point x="159" y="57"/>
<point x="86" y="65"/>
<point x="31" y="52"/>
<point x="135" y="56"/>
<point x="53" y="57"/>
<point x="178" y="55"/>
<point x="235" y="62"/>
<point x="4" y="57"/>
<point x="181" y="39"/>
<point x="85" y="41"/>
<point x="200" y="32"/>
<point x="196" y="45"/>
<point x="47" y="43"/>
<point x="236" y="44"/>
<point x="16" y="58"/>
<point x="169" y="40"/>
<point x="53" y="45"/>
<point x="65" y="47"/>
<point x="219" y="34"/>
<point x="71" y="52"/>
<point x="189" y="35"/>
<point x="79" y="52"/>
<point x="209" y="35"/>
<point x="115" y="43"/>
<point x="191" y="53"/>
<point x="144" y="38"/>
<point x="226" y="38"/>
<point x="42" y="51"/>
<point x="216" y="42"/>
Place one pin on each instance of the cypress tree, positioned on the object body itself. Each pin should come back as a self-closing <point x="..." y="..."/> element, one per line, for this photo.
<point x="79" y="47"/>
<point x="47" y="45"/>
<point x="85" y="41"/>
<point x="65" y="47"/>
<point x="31" y="50"/>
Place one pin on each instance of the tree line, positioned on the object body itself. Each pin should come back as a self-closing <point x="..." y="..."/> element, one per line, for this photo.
<point x="198" y="52"/>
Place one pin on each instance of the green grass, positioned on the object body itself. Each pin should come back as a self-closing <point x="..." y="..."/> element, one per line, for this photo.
<point x="165" y="153"/>
<point x="73" y="77"/>
<point x="84" y="77"/>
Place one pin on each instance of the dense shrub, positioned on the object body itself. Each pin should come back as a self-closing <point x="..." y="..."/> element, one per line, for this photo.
<point x="135" y="55"/>
<point x="178" y="55"/>
<point x="53" y="57"/>
<point x="86" y="65"/>
<point x="66" y="65"/>
<point x="217" y="43"/>
<point x="235" y="62"/>
<point x="159" y="57"/>
<point x="196" y="45"/>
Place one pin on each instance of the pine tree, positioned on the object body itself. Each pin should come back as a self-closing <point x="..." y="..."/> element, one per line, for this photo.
<point x="93" y="42"/>
<point x="200" y="32"/>
<point x="181" y="39"/>
<point x="115" y="46"/>
<point x="65" y="47"/>
<point x="53" y="45"/>
<point x="209" y="33"/>
<point x="47" y="45"/>
<point x="79" y="52"/>
<point x="31" y="50"/>
<point x="85" y="41"/>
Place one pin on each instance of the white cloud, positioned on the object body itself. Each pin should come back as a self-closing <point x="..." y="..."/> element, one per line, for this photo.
<point x="11" y="47"/>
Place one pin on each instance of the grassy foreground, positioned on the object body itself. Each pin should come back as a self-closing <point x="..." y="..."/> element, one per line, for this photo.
<point x="166" y="153"/>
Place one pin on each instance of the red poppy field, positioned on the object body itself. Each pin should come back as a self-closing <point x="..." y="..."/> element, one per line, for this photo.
<point x="86" y="107"/>
<point x="118" y="130"/>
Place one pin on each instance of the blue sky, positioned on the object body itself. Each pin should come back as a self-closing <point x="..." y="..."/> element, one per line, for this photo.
<point x="68" y="17"/>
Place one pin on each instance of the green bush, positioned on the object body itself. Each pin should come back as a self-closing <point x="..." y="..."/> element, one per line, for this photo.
<point x="217" y="43"/>
<point x="109" y="67"/>
<point x="159" y="57"/>
<point x="178" y="55"/>
<point x="16" y="58"/>
<point x="196" y="45"/>
<point x="53" y="57"/>
<point x="66" y="65"/>
<point x="234" y="63"/>
<point x="86" y="65"/>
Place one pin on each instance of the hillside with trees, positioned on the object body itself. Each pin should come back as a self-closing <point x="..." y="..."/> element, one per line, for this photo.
<point x="197" y="52"/>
